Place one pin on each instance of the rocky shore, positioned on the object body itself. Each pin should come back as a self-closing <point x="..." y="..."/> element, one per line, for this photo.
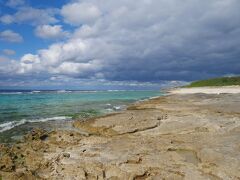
<point x="177" y="136"/>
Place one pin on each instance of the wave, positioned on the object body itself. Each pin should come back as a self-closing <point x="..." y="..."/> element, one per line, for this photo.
<point x="11" y="93"/>
<point x="33" y="92"/>
<point x="63" y="91"/>
<point x="154" y="97"/>
<point x="148" y="98"/>
<point x="116" y="90"/>
<point x="9" y="125"/>
<point x="108" y="110"/>
<point x="85" y="91"/>
<point x="117" y="108"/>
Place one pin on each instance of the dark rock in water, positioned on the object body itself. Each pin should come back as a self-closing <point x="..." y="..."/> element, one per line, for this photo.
<point x="36" y="134"/>
<point x="44" y="137"/>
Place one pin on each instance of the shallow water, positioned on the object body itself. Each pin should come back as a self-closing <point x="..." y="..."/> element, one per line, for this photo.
<point x="21" y="111"/>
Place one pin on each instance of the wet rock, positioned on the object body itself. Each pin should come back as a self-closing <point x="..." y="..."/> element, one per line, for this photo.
<point x="36" y="134"/>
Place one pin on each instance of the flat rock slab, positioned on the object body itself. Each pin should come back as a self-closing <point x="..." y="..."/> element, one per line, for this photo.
<point x="172" y="137"/>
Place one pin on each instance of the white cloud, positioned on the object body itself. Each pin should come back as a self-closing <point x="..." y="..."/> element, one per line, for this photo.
<point x="8" y="52"/>
<point x="3" y="59"/>
<point x="80" y="13"/>
<point x="50" y="32"/>
<point x="85" y="31"/>
<point x="28" y="63"/>
<point x="72" y="68"/>
<point x="150" y="40"/>
<point x="75" y="50"/>
<point x="10" y="36"/>
<point x="15" y="3"/>
<point x="8" y="68"/>
<point x="30" y="59"/>
<point x="31" y="15"/>
<point x="7" y="19"/>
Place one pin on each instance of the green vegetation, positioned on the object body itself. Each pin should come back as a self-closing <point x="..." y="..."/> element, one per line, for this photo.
<point x="223" y="81"/>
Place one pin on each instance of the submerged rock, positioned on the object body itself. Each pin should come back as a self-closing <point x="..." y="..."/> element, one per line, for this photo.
<point x="36" y="134"/>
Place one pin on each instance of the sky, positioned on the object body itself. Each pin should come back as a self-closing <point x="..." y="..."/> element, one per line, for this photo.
<point x="109" y="44"/>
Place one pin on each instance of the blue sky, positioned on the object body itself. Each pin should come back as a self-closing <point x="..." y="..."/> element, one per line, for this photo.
<point x="31" y="43"/>
<point x="97" y="44"/>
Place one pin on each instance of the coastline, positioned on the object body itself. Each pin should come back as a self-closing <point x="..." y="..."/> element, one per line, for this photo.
<point x="176" y="136"/>
<point x="207" y="90"/>
<point x="22" y="111"/>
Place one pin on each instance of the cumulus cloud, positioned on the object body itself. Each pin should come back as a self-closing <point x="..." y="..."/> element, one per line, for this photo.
<point x="15" y="3"/>
<point x="27" y="63"/>
<point x="51" y="32"/>
<point x="31" y="15"/>
<point x="7" y="19"/>
<point x="80" y="13"/>
<point x="10" y="36"/>
<point x="8" y="52"/>
<point x="151" y="40"/>
<point x="3" y="59"/>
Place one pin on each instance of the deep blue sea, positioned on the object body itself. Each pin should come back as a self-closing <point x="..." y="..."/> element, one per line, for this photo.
<point x="20" y="111"/>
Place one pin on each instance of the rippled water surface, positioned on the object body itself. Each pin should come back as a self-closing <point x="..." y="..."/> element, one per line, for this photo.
<point x="23" y="110"/>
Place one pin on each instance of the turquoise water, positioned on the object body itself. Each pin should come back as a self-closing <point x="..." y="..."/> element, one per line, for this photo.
<point x="22" y="110"/>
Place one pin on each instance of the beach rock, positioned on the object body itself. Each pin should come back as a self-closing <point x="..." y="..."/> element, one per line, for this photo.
<point x="171" y="137"/>
<point x="36" y="134"/>
<point x="7" y="163"/>
<point x="10" y="158"/>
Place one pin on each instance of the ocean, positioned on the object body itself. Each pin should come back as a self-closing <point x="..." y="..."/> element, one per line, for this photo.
<point x="21" y="111"/>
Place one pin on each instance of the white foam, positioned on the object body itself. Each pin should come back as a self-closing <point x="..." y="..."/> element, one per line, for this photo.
<point x="5" y="124"/>
<point x="154" y="97"/>
<point x="11" y="92"/>
<point x="63" y="91"/>
<point x="9" y="125"/>
<point x="51" y="119"/>
<point x="109" y="110"/>
<point x="116" y="90"/>
<point x="36" y="92"/>
<point x="117" y="108"/>
<point x="88" y="91"/>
